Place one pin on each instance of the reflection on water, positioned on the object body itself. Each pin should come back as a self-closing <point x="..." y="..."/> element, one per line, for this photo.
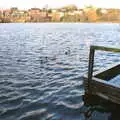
<point x="41" y="68"/>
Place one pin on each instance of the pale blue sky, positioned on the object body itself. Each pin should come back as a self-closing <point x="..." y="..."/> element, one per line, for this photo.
<point x="25" y="4"/>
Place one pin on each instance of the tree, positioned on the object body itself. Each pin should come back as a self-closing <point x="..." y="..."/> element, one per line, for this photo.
<point x="89" y="7"/>
<point x="90" y="13"/>
<point x="49" y="10"/>
<point x="98" y="12"/>
<point x="70" y="8"/>
<point x="13" y="9"/>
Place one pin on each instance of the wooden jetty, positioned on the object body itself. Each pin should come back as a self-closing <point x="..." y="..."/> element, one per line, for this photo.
<point x="98" y="84"/>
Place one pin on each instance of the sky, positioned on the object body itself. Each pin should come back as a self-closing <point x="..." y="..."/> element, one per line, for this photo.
<point x="26" y="4"/>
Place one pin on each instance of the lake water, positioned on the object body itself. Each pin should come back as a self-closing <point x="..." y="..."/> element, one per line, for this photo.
<point x="42" y="67"/>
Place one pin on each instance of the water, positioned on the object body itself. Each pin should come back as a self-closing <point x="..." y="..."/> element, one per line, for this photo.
<point x="42" y="67"/>
<point x="115" y="81"/>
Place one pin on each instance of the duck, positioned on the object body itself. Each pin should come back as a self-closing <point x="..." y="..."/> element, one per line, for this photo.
<point x="44" y="60"/>
<point x="67" y="52"/>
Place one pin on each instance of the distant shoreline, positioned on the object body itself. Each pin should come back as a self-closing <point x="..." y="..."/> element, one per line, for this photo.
<point x="64" y="22"/>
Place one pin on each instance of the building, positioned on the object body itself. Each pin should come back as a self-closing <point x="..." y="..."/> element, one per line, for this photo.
<point x="38" y="15"/>
<point x="57" y="16"/>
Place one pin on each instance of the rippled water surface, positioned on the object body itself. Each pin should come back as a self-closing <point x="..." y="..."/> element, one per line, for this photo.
<point x="42" y="67"/>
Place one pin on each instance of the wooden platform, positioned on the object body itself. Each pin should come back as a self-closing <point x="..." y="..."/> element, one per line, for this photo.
<point x="104" y="83"/>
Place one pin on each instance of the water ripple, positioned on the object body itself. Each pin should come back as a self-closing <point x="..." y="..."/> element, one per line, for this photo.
<point x="41" y="68"/>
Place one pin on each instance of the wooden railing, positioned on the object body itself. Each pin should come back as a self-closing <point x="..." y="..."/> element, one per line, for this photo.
<point x="91" y="58"/>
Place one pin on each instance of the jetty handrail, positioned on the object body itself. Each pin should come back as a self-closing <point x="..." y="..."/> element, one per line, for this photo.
<point x="91" y="58"/>
<point x="103" y="48"/>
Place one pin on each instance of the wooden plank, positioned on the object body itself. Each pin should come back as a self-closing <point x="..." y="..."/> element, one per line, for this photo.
<point x="103" y="48"/>
<point x="105" y="90"/>
<point x="106" y="85"/>
<point x="109" y="73"/>
<point x="113" y="66"/>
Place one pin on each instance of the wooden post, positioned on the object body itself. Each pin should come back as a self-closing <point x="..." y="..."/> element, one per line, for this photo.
<point x="91" y="64"/>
